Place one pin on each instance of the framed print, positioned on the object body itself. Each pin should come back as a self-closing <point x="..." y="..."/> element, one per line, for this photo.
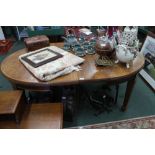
<point x="149" y="46"/>
<point x="41" y="57"/>
<point x="148" y="72"/>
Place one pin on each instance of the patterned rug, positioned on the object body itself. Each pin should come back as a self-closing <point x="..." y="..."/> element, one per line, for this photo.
<point x="135" y="123"/>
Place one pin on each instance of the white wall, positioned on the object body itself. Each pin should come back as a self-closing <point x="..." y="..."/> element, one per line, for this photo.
<point x="1" y="34"/>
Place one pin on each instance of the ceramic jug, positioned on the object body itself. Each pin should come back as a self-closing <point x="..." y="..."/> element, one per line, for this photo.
<point x="125" y="55"/>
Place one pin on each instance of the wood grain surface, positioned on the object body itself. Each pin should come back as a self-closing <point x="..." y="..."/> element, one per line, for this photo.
<point x="15" y="71"/>
<point x="38" y="116"/>
<point x="9" y="101"/>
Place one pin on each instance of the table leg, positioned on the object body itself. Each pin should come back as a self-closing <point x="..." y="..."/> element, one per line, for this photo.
<point x="69" y="104"/>
<point x="128" y="92"/>
<point x="28" y="98"/>
<point x="116" y="95"/>
<point x="14" y="86"/>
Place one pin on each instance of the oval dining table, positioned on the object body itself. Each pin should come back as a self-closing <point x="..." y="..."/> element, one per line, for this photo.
<point x="21" y="78"/>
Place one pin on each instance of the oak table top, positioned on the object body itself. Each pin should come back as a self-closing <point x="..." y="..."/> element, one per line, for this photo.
<point x="15" y="71"/>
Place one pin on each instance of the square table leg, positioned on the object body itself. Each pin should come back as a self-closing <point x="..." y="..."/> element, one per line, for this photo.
<point x="129" y="89"/>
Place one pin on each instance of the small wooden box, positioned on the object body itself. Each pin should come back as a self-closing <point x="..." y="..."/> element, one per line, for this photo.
<point x="37" y="42"/>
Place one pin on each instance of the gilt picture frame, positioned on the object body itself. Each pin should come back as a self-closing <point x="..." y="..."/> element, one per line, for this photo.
<point x="41" y="57"/>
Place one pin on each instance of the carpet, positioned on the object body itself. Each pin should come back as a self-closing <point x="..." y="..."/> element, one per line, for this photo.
<point x="135" y="123"/>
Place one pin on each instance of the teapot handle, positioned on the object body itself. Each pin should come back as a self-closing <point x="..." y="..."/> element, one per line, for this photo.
<point x="64" y="38"/>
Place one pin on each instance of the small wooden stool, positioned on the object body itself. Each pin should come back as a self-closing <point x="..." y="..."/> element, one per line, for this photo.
<point x="43" y="116"/>
<point x="11" y="105"/>
<point x="36" y="42"/>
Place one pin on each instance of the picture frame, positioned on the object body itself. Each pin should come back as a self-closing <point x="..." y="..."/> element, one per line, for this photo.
<point x="148" y="50"/>
<point x="149" y="45"/>
<point x="41" y="57"/>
